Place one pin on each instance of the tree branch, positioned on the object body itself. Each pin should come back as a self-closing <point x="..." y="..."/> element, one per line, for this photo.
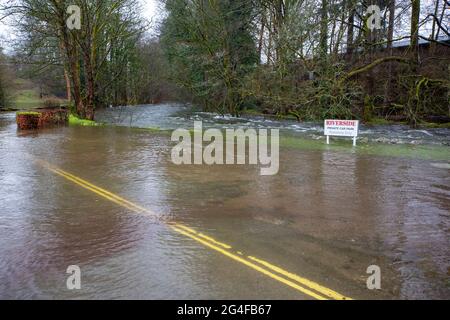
<point x="374" y="64"/>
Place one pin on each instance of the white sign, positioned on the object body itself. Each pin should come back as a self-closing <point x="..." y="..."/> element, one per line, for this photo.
<point x="341" y="128"/>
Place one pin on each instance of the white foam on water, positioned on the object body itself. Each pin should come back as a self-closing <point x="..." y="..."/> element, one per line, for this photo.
<point x="441" y="165"/>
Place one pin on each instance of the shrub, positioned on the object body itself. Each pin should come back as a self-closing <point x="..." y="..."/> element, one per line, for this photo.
<point x="52" y="102"/>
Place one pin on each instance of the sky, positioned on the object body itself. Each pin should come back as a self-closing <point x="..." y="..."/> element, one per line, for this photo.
<point x="151" y="9"/>
<point x="153" y="12"/>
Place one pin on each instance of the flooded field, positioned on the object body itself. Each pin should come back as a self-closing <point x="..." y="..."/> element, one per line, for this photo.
<point x="172" y="116"/>
<point x="331" y="212"/>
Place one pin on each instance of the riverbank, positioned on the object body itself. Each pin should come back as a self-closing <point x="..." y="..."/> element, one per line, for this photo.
<point x="372" y="122"/>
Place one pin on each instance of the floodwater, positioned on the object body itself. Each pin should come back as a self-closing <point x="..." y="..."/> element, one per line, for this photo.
<point x="328" y="215"/>
<point x="173" y="116"/>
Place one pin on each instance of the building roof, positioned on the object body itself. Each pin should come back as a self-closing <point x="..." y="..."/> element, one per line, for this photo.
<point x="422" y="42"/>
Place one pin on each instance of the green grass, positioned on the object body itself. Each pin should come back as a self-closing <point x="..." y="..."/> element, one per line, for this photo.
<point x="75" y="121"/>
<point x="379" y="121"/>
<point x="252" y="112"/>
<point x="153" y="129"/>
<point x="424" y="152"/>
<point x="22" y="83"/>
<point x="432" y="125"/>
<point x="27" y="99"/>
<point x="411" y="151"/>
<point x="25" y="96"/>
<point x="28" y="113"/>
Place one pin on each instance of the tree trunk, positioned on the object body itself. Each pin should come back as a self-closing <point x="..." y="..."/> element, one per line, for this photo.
<point x="68" y="86"/>
<point x="390" y="37"/>
<point x="350" y="30"/>
<point x="69" y="50"/>
<point x="324" y="29"/>
<point x="261" y="36"/>
<point x="433" y="28"/>
<point x="90" y="82"/>
<point x="73" y="71"/>
<point x="415" y="13"/>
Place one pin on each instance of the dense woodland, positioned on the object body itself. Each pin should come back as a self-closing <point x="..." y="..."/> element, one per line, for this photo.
<point x="309" y="59"/>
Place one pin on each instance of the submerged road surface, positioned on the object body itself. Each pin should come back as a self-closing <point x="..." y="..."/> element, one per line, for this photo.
<point x="110" y="201"/>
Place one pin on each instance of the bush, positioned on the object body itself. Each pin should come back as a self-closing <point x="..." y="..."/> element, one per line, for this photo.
<point x="294" y="93"/>
<point x="52" y="102"/>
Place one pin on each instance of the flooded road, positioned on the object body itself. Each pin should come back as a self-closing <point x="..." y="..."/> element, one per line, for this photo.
<point x="329" y="214"/>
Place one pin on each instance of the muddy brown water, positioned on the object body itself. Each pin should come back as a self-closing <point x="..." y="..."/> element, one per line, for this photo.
<point x="326" y="216"/>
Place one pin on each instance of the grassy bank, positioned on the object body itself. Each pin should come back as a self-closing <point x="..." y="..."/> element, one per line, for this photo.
<point x="25" y="95"/>
<point x="27" y="99"/>
<point x="75" y="121"/>
<point x="424" y="152"/>
<point x="371" y="122"/>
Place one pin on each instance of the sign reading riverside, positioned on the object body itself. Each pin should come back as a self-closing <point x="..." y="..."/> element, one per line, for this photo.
<point x="341" y="128"/>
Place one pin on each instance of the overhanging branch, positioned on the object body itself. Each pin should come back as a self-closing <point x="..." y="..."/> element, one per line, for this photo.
<point x="374" y="64"/>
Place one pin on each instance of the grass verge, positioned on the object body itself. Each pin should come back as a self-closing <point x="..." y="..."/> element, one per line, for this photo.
<point x="75" y="121"/>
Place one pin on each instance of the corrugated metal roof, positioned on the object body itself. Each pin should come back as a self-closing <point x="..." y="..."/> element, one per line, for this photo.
<point x="406" y="42"/>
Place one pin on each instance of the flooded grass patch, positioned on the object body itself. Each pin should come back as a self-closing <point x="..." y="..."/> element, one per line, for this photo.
<point x="424" y="152"/>
<point x="75" y="121"/>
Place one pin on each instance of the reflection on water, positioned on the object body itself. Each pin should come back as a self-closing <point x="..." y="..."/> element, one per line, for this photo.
<point x="327" y="216"/>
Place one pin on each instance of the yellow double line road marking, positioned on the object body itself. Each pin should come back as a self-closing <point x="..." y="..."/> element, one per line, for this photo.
<point x="292" y="280"/>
